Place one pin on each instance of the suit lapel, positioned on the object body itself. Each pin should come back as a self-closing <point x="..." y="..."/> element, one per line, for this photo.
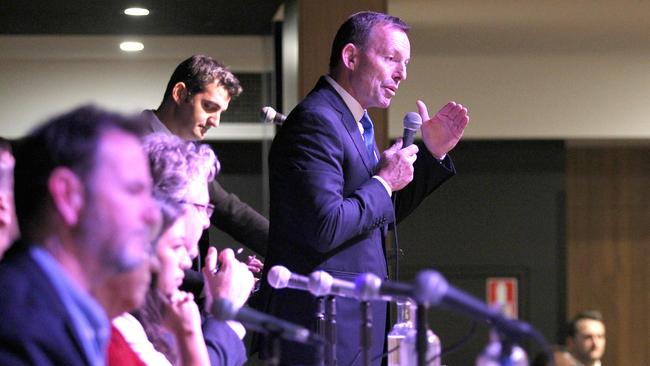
<point x="351" y="126"/>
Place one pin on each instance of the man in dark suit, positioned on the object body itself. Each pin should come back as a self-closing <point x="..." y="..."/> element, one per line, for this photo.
<point x="86" y="213"/>
<point x="330" y="188"/>
<point x="199" y="90"/>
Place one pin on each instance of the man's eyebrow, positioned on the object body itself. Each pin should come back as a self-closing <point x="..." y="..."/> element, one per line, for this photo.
<point x="213" y="104"/>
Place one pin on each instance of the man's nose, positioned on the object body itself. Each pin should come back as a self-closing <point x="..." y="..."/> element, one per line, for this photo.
<point x="400" y="72"/>
<point x="186" y="260"/>
<point x="206" y="221"/>
<point x="213" y="121"/>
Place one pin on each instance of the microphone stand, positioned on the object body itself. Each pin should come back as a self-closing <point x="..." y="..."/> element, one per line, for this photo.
<point x="421" y="344"/>
<point x="273" y="349"/>
<point x="326" y="327"/>
<point x="366" y="332"/>
<point x="321" y="324"/>
<point x="330" y="326"/>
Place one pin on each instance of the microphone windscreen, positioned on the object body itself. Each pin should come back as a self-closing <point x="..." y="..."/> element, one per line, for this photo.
<point x="367" y="286"/>
<point x="278" y="277"/>
<point x="412" y="121"/>
<point x="430" y="287"/>
<point x="267" y="114"/>
<point x="320" y="283"/>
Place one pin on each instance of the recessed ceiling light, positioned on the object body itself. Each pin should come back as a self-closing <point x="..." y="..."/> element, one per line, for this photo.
<point x="131" y="46"/>
<point x="136" y="12"/>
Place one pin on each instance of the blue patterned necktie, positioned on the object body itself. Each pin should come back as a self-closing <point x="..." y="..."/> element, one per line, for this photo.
<point x="369" y="137"/>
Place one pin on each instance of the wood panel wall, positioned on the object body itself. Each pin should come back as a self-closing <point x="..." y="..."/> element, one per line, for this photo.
<point x="608" y="245"/>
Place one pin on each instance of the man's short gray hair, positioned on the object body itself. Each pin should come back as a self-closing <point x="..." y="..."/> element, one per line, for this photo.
<point x="176" y="163"/>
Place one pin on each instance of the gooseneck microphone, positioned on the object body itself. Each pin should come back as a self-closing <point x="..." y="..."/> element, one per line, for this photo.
<point x="432" y="289"/>
<point x="270" y="115"/>
<point x="412" y="123"/>
<point x="369" y="286"/>
<point x="280" y="277"/>
<point x="319" y="283"/>
<point x="224" y="309"/>
<point x="322" y="283"/>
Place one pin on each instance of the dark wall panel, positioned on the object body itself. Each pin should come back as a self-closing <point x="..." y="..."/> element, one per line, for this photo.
<point x="502" y="214"/>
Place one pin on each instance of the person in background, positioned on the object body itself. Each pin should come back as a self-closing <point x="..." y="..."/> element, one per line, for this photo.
<point x="586" y="338"/>
<point x="8" y="224"/>
<point x="198" y="92"/>
<point x="85" y="209"/>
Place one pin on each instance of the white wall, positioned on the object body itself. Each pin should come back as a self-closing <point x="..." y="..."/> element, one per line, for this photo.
<point x="531" y="69"/>
<point x="42" y="76"/>
<point x="527" y="70"/>
<point x="524" y="96"/>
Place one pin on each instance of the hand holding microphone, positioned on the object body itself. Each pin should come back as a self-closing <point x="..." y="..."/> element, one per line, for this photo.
<point x="396" y="164"/>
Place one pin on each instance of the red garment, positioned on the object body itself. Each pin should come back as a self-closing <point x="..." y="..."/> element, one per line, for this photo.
<point x="119" y="352"/>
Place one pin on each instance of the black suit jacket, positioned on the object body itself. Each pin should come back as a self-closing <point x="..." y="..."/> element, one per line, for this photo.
<point x="327" y="213"/>
<point x="35" y="328"/>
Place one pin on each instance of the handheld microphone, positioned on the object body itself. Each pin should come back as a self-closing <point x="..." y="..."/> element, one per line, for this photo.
<point x="412" y="123"/>
<point x="270" y="115"/>
<point x="280" y="277"/>
<point x="224" y="309"/>
<point x="322" y="283"/>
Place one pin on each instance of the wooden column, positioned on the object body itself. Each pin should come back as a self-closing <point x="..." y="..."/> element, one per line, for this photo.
<point x="313" y="24"/>
<point x="608" y="245"/>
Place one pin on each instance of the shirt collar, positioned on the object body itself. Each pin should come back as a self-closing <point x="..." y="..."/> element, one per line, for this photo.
<point x="155" y="123"/>
<point x="88" y="318"/>
<point x="352" y="104"/>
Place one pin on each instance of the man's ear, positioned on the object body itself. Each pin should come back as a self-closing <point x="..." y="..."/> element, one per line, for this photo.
<point x="67" y="191"/>
<point x="350" y="56"/>
<point x="180" y="92"/>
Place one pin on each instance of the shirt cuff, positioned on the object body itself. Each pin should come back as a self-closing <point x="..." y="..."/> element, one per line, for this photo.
<point x="237" y="327"/>
<point x="383" y="183"/>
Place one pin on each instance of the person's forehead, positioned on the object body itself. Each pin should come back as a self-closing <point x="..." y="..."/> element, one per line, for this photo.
<point x="388" y="39"/>
<point x="380" y="31"/>
<point x="216" y="91"/>
<point x="122" y="152"/>
<point x="117" y="142"/>
<point x="590" y="326"/>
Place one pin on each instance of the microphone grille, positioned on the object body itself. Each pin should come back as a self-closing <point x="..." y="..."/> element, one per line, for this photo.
<point x="278" y="277"/>
<point x="412" y="121"/>
<point x="267" y="114"/>
<point x="367" y="286"/>
<point x="320" y="283"/>
<point x="430" y="287"/>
